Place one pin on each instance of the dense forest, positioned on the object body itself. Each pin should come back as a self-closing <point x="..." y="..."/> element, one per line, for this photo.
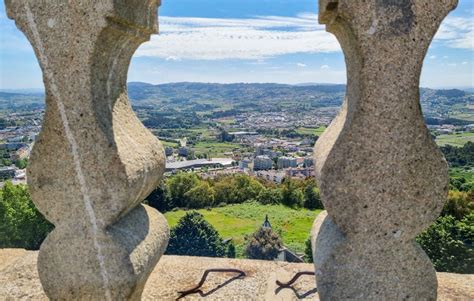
<point x="459" y="156"/>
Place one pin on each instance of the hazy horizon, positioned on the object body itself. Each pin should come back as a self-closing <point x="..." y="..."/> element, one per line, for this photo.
<point x="41" y="90"/>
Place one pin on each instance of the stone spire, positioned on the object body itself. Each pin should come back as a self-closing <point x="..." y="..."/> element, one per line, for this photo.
<point x="266" y="223"/>
<point x="94" y="162"/>
<point x="382" y="178"/>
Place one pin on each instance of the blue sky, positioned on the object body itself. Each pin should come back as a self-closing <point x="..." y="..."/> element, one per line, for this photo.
<point x="249" y="41"/>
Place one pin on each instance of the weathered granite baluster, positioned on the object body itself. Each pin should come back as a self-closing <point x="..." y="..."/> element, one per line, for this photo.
<point x="382" y="178"/>
<point x="94" y="162"/>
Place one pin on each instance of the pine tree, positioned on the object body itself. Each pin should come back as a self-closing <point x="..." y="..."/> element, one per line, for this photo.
<point x="194" y="236"/>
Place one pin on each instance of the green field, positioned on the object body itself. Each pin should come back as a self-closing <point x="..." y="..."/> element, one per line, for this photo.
<point x="237" y="221"/>
<point x="203" y="132"/>
<point x="227" y="120"/>
<point x="458" y="139"/>
<point x="469" y="116"/>
<point x="170" y="144"/>
<point x="311" y="131"/>
<point x="457" y="172"/>
<point x="214" y="149"/>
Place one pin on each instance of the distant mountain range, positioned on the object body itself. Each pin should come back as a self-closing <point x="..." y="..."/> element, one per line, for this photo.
<point x="238" y="93"/>
<point x="211" y="97"/>
<point x="471" y="90"/>
<point x="142" y="84"/>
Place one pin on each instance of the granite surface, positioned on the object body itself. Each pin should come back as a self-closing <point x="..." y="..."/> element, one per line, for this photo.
<point x="94" y="162"/>
<point x="382" y="178"/>
<point x="19" y="279"/>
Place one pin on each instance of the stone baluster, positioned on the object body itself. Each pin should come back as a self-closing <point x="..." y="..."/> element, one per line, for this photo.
<point x="382" y="178"/>
<point x="94" y="162"/>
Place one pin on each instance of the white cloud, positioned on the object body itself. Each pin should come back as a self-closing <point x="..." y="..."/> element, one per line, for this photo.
<point x="432" y="57"/>
<point x="301" y="65"/>
<point x="456" y="32"/>
<point x="325" y="67"/>
<point x="173" y="58"/>
<point x="464" y="63"/>
<point x="253" y="39"/>
<point x="264" y="37"/>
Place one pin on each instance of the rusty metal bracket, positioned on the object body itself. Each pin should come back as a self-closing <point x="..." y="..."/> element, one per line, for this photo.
<point x="288" y="285"/>
<point x="197" y="290"/>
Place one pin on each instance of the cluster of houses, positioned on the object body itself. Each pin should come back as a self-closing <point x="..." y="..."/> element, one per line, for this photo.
<point x="272" y="167"/>
<point x="280" y="120"/>
<point x="16" y="143"/>
<point x="450" y="128"/>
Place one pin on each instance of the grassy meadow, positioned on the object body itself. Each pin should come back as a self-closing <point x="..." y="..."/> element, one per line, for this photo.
<point x="215" y="149"/>
<point x="457" y="139"/>
<point x="239" y="220"/>
<point x="311" y="131"/>
<point x="466" y="173"/>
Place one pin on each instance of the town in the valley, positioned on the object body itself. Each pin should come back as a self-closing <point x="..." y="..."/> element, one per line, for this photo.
<point x="265" y="142"/>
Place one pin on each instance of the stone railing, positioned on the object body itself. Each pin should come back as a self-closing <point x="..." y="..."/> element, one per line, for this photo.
<point x="381" y="176"/>
<point x="94" y="161"/>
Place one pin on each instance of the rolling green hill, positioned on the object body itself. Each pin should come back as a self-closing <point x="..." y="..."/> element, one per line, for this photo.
<point x="234" y="98"/>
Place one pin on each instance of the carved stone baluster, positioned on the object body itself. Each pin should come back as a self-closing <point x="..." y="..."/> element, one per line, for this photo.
<point x="94" y="161"/>
<point x="382" y="178"/>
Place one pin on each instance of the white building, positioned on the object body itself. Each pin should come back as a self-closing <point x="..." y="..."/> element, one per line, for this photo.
<point x="262" y="163"/>
<point x="286" y="162"/>
<point x="199" y="163"/>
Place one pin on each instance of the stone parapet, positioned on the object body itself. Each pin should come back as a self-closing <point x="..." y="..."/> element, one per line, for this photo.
<point x="94" y="162"/>
<point x="382" y="178"/>
<point x="19" y="279"/>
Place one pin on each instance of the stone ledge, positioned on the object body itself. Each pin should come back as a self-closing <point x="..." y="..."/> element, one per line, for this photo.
<point x="19" y="279"/>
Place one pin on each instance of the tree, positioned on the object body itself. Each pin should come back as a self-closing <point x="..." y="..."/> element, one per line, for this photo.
<point x="308" y="250"/>
<point x="247" y="188"/>
<point x="178" y="186"/>
<point x="460" y="183"/>
<point x="449" y="244"/>
<point x="264" y="244"/>
<point x="159" y="198"/>
<point x="200" y="196"/>
<point x="5" y="162"/>
<point x="224" y="136"/>
<point x="194" y="236"/>
<point x="291" y="194"/>
<point x="312" y="199"/>
<point x="237" y="189"/>
<point x="459" y="156"/>
<point x="191" y="155"/>
<point x="224" y="189"/>
<point x="21" y="164"/>
<point x="230" y="253"/>
<point x="269" y="196"/>
<point x="459" y="204"/>
<point x="22" y="225"/>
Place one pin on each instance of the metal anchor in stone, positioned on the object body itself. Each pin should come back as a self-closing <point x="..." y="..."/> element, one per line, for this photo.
<point x="382" y="178"/>
<point x="94" y="161"/>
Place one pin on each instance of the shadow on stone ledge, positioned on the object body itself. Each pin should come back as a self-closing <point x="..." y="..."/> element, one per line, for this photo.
<point x="19" y="279"/>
